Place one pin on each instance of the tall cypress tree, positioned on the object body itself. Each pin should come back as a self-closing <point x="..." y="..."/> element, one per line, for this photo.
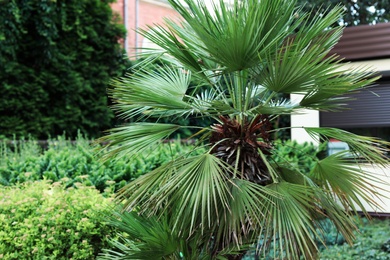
<point x="56" y="60"/>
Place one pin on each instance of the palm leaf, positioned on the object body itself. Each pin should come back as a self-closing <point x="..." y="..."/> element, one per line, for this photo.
<point x="331" y="209"/>
<point x="134" y="138"/>
<point x="167" y="40"/>
<point x="146" y="238"/>
<point x="288" y="224"/>
<point x="327" y="94"/>
<point x="295" y="67"/>
<point x="346" y="182"/>
<point x="197" y="191"/>
<point x="245" y="214"/>
<point x="230" y="37"/>
<point x="196" y="188"/>
<point x="166" y="90"/>
<point x="276" y="107"/>
<point x="367" y="148"/>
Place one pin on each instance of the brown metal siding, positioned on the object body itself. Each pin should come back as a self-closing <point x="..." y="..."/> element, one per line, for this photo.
<point x="364" y="42"/>
<point x="370" y="108"/>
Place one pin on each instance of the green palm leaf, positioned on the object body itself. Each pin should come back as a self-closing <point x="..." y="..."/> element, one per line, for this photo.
<point x="346" y="181"/>
<point x="196" y="187"/>
<point x="142" y="238"/>
<point x="167" y="89"/>
<point x="246" y="212"/>
<point x="326" y="95"/>
<point x="135" y="138"/>
<point x="367" y="148"/>
<point x="252" y="30"/>
<point x="288" y="224"/>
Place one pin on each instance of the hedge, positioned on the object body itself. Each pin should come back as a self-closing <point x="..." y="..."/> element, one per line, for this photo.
<point x="56" y="61"/>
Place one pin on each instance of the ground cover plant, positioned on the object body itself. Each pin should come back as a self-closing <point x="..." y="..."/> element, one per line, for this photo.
<point x="245" y="56"/>
<point x="40" y="220"/>
<point x="372" y="242"/>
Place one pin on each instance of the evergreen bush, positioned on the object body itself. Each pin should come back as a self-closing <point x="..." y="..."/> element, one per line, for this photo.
<point x="75" y="163"/>
<point x="56" y="59"/>
<point x="40" y="220"/>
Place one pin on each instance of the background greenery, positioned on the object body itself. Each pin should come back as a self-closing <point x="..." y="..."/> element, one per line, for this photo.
<point x="356" y="12"/>
<point x="74" y="162"/>
<point x="56" y="59"/>
<point x="372" y="242"/>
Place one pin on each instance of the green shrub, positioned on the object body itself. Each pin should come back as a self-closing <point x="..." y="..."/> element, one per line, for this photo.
<point x="43" y="221"/>
<point x="76" y="162"/>
<point x="302" y="155"/>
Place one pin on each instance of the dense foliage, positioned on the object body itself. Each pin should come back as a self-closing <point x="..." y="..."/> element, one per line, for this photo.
<point x="56" y="59"/>
<point x="75" y="162"/>
<point x="43" y="221"/>
<point x="356" y="12"/>
<point x="27" y="210"/>
<point x="303" y="156"/>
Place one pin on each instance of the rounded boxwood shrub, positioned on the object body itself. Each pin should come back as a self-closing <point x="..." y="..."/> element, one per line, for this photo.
<point x="40" y="220"/>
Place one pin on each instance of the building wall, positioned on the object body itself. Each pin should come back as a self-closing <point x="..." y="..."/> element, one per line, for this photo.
<point x="140" y="14"/>
<point x="312" y="118"/>
<point x="117" y="7"/>
<point x="363" y="46"/>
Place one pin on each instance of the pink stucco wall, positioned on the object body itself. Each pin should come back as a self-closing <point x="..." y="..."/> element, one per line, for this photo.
<point x="149" y="12"/>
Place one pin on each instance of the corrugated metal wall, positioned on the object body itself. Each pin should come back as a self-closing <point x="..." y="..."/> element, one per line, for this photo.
<point x="370" y="108"/>
<point x="364" y="42"/>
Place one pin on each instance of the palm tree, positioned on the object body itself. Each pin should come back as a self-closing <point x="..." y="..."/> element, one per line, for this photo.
<point x="231" y="197"/>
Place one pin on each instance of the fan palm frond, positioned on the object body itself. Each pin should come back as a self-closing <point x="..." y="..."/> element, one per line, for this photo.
<point x="135" y="138"/>
<point x="142" y="238"/>
<point x="288" y="224"/>
<point x="344" y="180"/>
<point x="197" y="187"/>
<point x="367" y="148"/>
<point x="326" y="95"/>
<point x="169" y="87"/>
<point x="242" y="30"/>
